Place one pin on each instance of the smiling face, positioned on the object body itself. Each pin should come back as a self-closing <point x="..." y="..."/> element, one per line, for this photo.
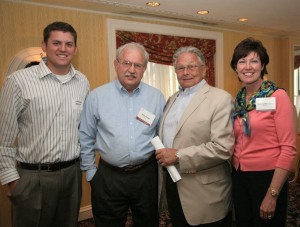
<point x="249" y="69"/>
<point x="60" y="50"/>
<point x="130" y="68"/>
<point x="189" y="69"/>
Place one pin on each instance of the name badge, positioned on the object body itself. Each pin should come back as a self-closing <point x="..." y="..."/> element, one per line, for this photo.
<point x="146" y="117"/>
<point x="266" y="104"/>
<point x="77" y="104"/>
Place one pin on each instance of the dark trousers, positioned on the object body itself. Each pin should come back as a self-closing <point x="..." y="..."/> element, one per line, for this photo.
<point x="176" y="212"/>
<point x="114" y="192"/>
<point x="249" y="189"/>
<point x="47" y="199"/>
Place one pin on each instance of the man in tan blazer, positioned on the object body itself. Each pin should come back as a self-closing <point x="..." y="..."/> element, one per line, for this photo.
<point x="196" y="130"/>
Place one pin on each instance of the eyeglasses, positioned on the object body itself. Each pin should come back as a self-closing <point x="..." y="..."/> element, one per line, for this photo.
<point x="128" y="64"/>
<point x="181" y="69"/>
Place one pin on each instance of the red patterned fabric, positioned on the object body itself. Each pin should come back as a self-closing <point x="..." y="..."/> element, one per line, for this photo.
<point x="296" y="61"/>
<point x="162" y="47"/>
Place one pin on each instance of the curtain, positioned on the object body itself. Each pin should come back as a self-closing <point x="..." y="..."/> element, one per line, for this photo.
<point x="162" y="77"/>
<point x="162" y="47"/>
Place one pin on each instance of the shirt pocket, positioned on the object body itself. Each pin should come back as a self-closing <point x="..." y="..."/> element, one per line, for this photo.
<point x="77" y="107"/>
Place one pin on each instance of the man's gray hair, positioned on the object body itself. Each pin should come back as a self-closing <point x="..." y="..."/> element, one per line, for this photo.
<point x="133" y="45"/>
<point x="189" y="49"/>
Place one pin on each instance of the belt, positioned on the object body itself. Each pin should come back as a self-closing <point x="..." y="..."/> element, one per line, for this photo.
<point x="129" y="168"/>
<point x="50" y="167"/>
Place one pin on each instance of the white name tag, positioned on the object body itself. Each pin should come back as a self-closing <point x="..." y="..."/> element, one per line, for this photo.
<point x="145" y="116"/>
<point x="266" y="104"/>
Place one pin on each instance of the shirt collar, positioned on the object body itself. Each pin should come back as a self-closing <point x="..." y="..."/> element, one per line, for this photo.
<point x="44" y="70"/>
<point x="120" y="87"/>
<point x="191" y="90"/>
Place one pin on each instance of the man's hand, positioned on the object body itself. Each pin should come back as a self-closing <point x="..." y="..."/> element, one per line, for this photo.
<point x="166" y="156"/>
<point x="10" y="188"/>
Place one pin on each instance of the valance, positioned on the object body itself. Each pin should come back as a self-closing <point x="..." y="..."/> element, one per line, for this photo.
<point x="162" y="47"/>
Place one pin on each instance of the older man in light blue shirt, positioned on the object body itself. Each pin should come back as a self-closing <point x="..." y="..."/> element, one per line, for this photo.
<point x="119" y="120"/>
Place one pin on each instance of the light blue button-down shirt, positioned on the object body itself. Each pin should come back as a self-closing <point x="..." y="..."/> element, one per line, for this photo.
<point x="109" y="125"/>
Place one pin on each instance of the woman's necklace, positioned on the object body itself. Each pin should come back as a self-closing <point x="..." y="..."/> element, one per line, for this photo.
<point x="248" y="96"/>
<point x="253" y="90"/>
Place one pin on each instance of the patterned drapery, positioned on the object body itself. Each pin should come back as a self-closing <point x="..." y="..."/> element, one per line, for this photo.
<point x="162" y="47"/>
<point x="296" y="61"/>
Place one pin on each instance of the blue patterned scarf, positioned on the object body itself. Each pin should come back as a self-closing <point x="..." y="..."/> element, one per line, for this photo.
<point x="266" y="89"/>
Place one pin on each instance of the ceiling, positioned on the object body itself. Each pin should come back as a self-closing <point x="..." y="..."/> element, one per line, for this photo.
<point x="271" y="17"/>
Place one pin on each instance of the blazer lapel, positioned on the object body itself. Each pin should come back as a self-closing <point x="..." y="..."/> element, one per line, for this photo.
<point x="193" y="105"/>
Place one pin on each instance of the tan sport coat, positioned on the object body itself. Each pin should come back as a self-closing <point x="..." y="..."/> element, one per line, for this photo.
<point x="205" y="139"/>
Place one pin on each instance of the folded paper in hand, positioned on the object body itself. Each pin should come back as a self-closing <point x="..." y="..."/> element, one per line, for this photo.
<point x="157" y="144"/>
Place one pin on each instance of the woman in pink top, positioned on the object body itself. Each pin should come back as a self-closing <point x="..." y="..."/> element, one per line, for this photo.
<point x="265" y="141"/>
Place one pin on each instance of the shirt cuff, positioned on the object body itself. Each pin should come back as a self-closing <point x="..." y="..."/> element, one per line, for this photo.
<point x="90" y="174"/>
<point x="8" y="176"/>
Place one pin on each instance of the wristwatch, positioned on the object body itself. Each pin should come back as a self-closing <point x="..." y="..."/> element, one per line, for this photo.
<point x="274" y="193"/>
<point x="177" y="156"/>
